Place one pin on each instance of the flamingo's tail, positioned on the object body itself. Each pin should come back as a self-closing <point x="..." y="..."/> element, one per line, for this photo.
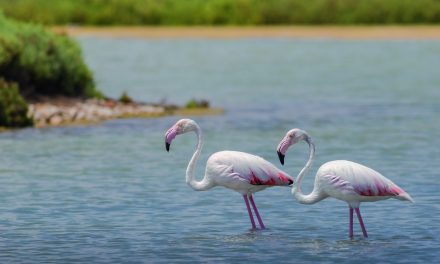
<point x="404" y="196"/>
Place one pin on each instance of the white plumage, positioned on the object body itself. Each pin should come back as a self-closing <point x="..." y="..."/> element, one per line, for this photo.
<point x="353" y="182"/>
<point x="244" y="172"/>
<point x="239" y="171"/>
<point x="341" y="179"/>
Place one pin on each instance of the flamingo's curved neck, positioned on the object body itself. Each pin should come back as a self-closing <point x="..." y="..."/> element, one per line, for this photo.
<point x="204" y="184"/>
<point x="315" y="195"/>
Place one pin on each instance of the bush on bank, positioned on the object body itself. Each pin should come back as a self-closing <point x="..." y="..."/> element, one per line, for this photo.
<point x="13" y="108"/>
<point x="41" y="62"/>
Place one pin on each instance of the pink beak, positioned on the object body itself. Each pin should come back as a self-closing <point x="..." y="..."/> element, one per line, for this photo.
<point x="281" y="150"/>
<point x="169" y="136"/>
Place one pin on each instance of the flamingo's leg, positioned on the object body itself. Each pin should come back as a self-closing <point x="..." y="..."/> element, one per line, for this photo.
<point x="260" y="221"/>
<point x="350" y="226"/>
<point x="245" y="197"/>
<point x="364" y="231"/>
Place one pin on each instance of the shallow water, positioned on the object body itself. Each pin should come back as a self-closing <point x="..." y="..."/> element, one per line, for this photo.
<point x="111" y="193"/>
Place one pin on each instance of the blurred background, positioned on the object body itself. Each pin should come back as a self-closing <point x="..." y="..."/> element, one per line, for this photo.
<point x="222" y="12"/>
<point x="361" y="77"/>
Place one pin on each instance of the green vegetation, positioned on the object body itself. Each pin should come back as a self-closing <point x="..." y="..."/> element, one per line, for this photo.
<point x="35" y="62"/>
<point x="41" y="62"/>
<point x="13" y="108"/>
<point x="193" y="103"/>
<point x="223" y="12"/>
<point x="125" y="98"/>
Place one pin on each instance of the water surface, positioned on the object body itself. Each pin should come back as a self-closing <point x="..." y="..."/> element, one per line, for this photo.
<point x="110" y="193"/>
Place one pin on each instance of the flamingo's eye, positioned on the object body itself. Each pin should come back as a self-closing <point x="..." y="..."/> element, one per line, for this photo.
<point x="291" y="135"/>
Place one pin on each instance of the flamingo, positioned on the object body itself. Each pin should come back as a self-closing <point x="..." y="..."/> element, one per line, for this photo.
<point x="341" y="179"/>
<point x="239" y="171"/>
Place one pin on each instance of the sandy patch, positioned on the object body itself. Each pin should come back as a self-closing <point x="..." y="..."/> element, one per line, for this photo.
<point x="306" y="32"/>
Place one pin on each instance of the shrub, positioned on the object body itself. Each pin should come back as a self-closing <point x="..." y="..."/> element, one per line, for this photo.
<point x="193" y="103"/>
<point x="41" y="62"/>
<point x="125" y="99"/>
<point x="13" y="108"/>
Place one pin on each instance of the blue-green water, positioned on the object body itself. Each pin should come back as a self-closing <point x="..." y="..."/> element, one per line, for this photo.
<point x="110" y="193"/>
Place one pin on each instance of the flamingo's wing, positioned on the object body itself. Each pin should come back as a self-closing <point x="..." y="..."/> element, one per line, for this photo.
<point x="263" y="177"/>
<point x="336" y="184"/>
<point x="353" y="178"/>
<point x="244" y="167"/>
<point x="258" y="171"/>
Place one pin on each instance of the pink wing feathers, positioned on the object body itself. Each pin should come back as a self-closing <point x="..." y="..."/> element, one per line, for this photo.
<point x="353" y="178"/>
<point x="250" y="168"/>
<point x="267" y="176"/>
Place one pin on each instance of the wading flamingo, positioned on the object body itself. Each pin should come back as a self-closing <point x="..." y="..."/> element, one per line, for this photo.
<point x="239" y="171"/>
<point x="341" y="179"/>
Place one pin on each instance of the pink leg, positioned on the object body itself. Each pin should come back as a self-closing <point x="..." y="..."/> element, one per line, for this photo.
<point x="350" y="226"/>
<point x="364" y="231"/>
<point x="249" y="211"/>
<point x="260" y="221"/>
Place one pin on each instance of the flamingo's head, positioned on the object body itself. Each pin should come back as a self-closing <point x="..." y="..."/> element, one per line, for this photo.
<point x="292" y="137"/>
<point x="180" y="127"/>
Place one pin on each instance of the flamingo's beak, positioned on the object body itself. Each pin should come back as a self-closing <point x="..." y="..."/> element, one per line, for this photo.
<point x="282" y="148"/>
<point x="169" y="136"/>
<point x="281" y="157"/>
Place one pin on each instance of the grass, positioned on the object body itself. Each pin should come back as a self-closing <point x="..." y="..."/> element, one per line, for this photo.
<point x="223" y="12"/>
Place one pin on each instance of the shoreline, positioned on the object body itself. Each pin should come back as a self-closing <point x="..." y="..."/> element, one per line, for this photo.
<point x="62" y="111"/>
<point x="385" y="32"/>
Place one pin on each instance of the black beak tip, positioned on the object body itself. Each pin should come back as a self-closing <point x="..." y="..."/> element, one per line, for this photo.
<point x="281" y="157"/>
<point x="167" y="146"/>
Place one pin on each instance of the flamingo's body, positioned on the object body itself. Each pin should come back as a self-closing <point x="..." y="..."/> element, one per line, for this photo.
<point x="243" y="172"/>
<point x="341" y="179"/>
<point x="239" y="171"/>
<point x="354" y="183"/>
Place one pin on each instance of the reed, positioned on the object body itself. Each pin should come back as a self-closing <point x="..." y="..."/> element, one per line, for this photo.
<point x="223" y="12"/>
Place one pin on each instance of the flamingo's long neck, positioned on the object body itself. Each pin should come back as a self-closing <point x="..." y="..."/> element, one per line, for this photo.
<point x="204" y="184"/>
<point x="315" y="195"/>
